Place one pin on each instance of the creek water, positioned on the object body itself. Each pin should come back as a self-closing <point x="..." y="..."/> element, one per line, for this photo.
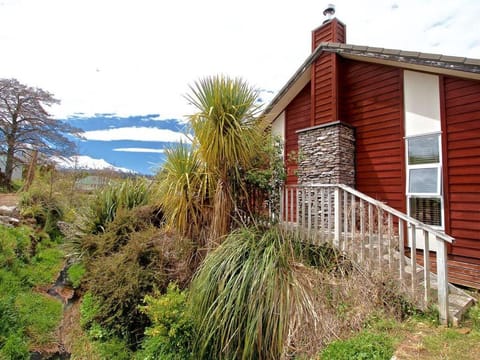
<point x="62" y="291"/>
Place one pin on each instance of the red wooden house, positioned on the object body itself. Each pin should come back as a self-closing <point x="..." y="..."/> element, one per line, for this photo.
<point x="409" y="128"/>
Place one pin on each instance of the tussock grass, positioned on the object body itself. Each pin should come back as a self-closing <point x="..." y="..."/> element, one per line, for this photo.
<point x="250" y="295"/>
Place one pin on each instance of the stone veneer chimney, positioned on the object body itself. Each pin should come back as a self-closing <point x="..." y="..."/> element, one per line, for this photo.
<point x="327" y="147"/>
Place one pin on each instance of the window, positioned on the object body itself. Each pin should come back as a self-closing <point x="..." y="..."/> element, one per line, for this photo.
<point x="423" y="147"/>
<point x="424" y="185"/>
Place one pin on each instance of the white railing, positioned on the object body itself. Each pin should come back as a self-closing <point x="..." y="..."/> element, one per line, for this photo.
<point x="372" y="234"/>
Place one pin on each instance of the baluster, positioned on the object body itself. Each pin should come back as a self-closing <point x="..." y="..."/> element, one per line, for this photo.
<point x="380" y="237"/>
<point x="401" y="247"/>
<point x="322" y="214"/>
<point x="330" y="214"/>
<point x="315" y="199"/>
<point x="345" y="220"/>
<point x="354" y="225"/>
<point x="362" y="231"/>
<point x="442" y="280"/>
<point x="370" y="234"/>
<point x="338" y="216"/>
<point x="426" y="267"/>
<point x="413" y="257"/>
<point x="309" y="213"/>
<point x="390" y="241"/>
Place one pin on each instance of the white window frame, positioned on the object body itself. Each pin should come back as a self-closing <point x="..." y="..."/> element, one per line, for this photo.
<point x="438" y="194"/>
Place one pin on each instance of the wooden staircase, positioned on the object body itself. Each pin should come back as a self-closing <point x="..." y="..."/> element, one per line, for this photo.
<point x="378" y="238"/>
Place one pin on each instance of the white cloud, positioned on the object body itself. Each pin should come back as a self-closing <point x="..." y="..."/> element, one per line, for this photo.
<point x="137" y="134"/>
<point x="138" y="57"/>
<point x="140" y="150"/>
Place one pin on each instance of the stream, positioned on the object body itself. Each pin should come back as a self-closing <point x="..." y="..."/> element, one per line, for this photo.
<point x="62" y="291"/>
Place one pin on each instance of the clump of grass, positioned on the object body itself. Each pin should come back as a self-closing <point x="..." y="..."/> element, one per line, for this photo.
<point x="127" y="194"/>
<point x="364" y="346"/>
<point x="250" y="295"/>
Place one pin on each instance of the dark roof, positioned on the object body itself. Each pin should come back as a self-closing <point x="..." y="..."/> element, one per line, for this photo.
<point x="402" y="56"/>
<point x="435" y="63"/>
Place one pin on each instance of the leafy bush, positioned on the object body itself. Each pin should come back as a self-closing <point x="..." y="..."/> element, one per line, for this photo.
<point x="39" y="315"/>
<point x="43" y="206"/>
<point x="75" y="274"/>
<point x="14" y="246"/>
<point x="127" y="194"/>
<point x="365" y="346"/>
<point x="172" y="333"/>
<point x="26" y="317"/>
<point x="14" y="347"/>
<point x="249" y="294"/>
<point x="129" y="260"/>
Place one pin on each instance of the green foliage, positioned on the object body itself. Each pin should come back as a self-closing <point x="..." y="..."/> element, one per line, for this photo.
<point x="14" y="347"/>
<point x="43" y="202"/>
<point x="26" y="317"/>
<point x="43" y="267"/>
<point x="172" y="333"/>
<point x="89" y="310"/>
<point x="39" y="315"/>
<point x="75" y="274"/>
<point x="183" y="191"/>
<point x="14" y="246"/>
<point x="126" y="194"/>
<point x="268" y="173"/>
<point x="364" y="346"/>
<point x="473" y="316"/>
<point x="228" y="137"/>
<point x="128" y="261"/>
<point x="113" y="349"/>
<point x="248" y="294"/>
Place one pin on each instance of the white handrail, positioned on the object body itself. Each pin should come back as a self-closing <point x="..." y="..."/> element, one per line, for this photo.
<point x="375" y="234"/>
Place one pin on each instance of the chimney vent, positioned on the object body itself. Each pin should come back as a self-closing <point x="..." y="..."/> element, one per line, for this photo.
<point x="329" y="12"/>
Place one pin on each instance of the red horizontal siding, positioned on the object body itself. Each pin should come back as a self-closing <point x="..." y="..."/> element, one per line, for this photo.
<point x="462" y="121"/>
<point x="332" y="31"/>
<point x="297" y="117"/>
<point x="371" y="101"/>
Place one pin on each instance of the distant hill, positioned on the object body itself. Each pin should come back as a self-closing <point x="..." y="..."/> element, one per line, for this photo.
<point x="134" y="143"/>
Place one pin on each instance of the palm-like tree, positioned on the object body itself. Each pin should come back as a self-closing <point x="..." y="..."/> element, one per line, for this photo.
<point x="228" y="134"/>
<point x="183" y="191"/>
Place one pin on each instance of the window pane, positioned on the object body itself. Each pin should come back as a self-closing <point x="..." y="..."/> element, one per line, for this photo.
<point x="423" y="150"/>
<point x="423" y="181"/>
<point x="426" y="210"/>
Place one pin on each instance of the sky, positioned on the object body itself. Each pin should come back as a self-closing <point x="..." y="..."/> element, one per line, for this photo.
<point x="134" y="57"/>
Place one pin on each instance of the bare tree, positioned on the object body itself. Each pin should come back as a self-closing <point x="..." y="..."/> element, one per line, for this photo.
<point x="25" y="126"/>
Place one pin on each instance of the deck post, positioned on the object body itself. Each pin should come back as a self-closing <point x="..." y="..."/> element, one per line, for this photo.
<point x="338" y="216"/>
<point x="442" y="280"/>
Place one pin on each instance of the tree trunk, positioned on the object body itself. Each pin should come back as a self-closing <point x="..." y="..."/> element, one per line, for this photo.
<point x="31" y="171"/>
<point x="9" y="164"/>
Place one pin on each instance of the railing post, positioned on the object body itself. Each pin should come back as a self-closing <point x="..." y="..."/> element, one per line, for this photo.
<point x="442" y="280"/>
<point x="426" y="266"/>
<point x="282" y="190"/>
<point x="337" y="225"/>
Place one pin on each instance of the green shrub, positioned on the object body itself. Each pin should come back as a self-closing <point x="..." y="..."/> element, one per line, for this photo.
<point x="128" y="265"/>
<point x="113" y="349"/>
<point x="75" y="274"/>
<point x="40" y="316"/>
<point x="127" y="194"/>
<point x="473" y="315"/>
<point x="248" y="295"/>
<point x="364" y="346"/>
<point x="43" y="269"/>
<point x="89" y="310"/>
<point x="14" y="347"/>
<point x="43" y="206"/>
<point x="14" y="246"/>
<point x="172" y="333"/>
